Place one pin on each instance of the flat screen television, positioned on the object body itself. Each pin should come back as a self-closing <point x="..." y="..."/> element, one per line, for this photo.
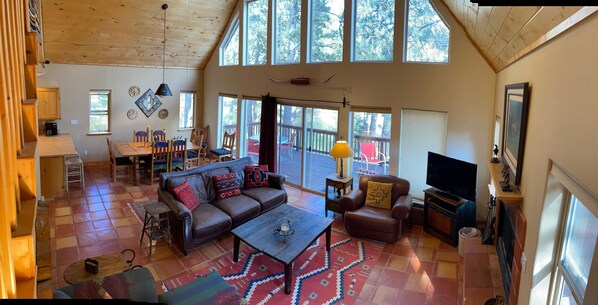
<point x="451" y="176"/>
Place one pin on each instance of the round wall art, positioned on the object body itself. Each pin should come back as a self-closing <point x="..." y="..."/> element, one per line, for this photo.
<point x="134" y="90"/>
<point x="132" y="114"/>
<point x="163" y="113"/>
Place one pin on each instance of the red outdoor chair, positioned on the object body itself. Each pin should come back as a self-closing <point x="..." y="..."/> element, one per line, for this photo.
<point x="253" y="147"/>
<point x="288" y="146"/>
<point x="371" y="155"/>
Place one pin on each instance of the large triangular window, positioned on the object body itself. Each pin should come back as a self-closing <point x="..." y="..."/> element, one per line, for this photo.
<point x="427" y="34"/>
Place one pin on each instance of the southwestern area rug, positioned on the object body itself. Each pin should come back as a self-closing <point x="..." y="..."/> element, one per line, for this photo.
<point x="319" y="277"/>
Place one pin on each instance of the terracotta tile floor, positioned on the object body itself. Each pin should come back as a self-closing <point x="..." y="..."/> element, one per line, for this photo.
<point x="417" y="269"/>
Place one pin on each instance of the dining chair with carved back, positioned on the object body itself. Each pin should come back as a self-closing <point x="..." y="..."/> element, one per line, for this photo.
<point x="159" y="135"/>
<point x="120" y="167"/>
<point x="178" y="155"/>
<point x="140" y="136"/>
<point x="194" y="154"/>
<point x="205" y="142"/>
<point x="160" y="159"/>
<point x="226" y="151"/>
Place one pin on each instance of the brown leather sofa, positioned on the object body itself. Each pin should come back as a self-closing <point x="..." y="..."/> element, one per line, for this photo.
<point x="377" y="223"/>
<point x="214" y="218"/>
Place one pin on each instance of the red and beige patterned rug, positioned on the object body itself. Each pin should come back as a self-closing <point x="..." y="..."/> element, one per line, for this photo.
<point x="319" y="277"/>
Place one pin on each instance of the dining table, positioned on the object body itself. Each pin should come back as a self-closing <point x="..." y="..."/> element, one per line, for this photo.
<point x="136" y="150"/>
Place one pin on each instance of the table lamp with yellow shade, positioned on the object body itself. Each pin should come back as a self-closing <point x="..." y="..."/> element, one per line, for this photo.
<point x="341" y="150"/>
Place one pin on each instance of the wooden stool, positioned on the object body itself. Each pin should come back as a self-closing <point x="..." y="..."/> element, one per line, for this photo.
<point x="155" y="223"/>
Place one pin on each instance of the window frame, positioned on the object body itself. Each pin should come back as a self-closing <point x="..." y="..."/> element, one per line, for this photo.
<point x="235" y="26"/>
<point x="192" y="111"/>
<point x="246" y="30"/>
<point x="220" y="130"/>
<point x="354" y="32"/>
<point x="406" y="37"/>
<point x="106" y="112"/>
<point x="310" y="36"/>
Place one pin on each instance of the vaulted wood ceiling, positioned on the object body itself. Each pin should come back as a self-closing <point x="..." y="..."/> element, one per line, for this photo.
<point x="129" y="32"/>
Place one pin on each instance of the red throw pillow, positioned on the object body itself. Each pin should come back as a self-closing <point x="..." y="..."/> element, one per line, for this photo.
<point x="227" y="185"/>
<point x="184" y="193"/>
<point x="256" y="176"/>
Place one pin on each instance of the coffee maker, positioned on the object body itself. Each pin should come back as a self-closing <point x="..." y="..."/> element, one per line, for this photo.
<point x="51" y="129"/>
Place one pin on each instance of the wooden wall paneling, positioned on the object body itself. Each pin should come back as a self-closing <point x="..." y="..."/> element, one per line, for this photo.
<point x="6" y="112"/>
<point x="7" y="219"/>
<point x="518" y="17"/>
<point x="472" y="15"/>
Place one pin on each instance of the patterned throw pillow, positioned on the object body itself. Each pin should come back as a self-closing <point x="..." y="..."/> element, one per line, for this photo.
<point x="227" y="185"/>
<point x="256" y="176"/>
<point x="379" y="195"/>
<point x="184" y="193"/>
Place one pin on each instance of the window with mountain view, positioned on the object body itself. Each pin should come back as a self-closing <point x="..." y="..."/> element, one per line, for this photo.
<point x="373" y="30"/>
<point x="427" y="37"/>
<point x="287" y="32"/>
<point x="326" y="30"/>
<point x="257" y="32"/>
<point x="230" y="48"/>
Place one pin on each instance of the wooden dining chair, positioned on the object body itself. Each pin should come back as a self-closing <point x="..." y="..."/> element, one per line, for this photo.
<point x="160" y="159"/>
<point x="194" y="154"/>
<point x="159" y="135"/>
<point x="226" y="151"/>
<point x="120" y="167"/>
<point x="140" y="136"/>
<point x="178" y="155"/>
<point x="205" y="142"/>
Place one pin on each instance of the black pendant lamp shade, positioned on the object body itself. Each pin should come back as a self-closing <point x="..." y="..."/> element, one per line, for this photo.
<point x="163" y="89"/>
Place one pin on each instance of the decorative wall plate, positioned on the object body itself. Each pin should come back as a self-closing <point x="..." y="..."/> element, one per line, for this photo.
<point x="132" y="114"/>
<point x="134" y="90"/>
<point x="148" y="103"/>
<point x="162" y="114"/>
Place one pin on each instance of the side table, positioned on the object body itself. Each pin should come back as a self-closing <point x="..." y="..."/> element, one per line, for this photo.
<point x="155" y="223"/>
<point x="333" y="199"/>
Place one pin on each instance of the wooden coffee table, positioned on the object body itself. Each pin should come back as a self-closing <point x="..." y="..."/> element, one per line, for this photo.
<point x="109" y="264"/>
<point x="259" y="234"/>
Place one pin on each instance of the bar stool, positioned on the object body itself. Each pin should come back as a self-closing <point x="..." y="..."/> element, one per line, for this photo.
<point x="155" y="223"/>
<point x="74" y="171"/>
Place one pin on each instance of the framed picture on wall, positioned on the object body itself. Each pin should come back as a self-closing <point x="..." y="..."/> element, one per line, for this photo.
<point x="514" y="127"/>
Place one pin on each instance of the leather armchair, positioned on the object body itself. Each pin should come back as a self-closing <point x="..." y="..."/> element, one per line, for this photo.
<point x="377" y="223"/>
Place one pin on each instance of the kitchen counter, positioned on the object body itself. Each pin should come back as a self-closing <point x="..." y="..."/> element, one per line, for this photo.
<point x="52" y="150"/>
<point x="56" y="146"/>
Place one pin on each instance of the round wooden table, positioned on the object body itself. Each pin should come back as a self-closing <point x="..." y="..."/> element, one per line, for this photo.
<point x="108" y="264"/>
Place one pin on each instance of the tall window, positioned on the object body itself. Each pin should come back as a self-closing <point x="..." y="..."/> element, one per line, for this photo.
<point x="257" y="32"/>
<point x="230" y="48"/>
<point x="228" y="116"/>
<point x="421" y="131"/>
<point x="99" y="111"/>
<point x="373" y="30"/>
<point x="287" y="32"/>
<point x="427" y="38"/>
<point x="326" y="30"/>
<point x="186" y="110"/>
<point x="370" y="139"/>
<point x="577" y="255"/>
<point x="251" y="133"/>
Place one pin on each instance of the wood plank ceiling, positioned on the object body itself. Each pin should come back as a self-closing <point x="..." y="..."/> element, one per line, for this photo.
<point x="129" y="32"/>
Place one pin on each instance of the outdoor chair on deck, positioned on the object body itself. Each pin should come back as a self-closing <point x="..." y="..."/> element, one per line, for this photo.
<point x="288" y="146"/>
<point x="253" y="148"/>
<point x="370" y="155"/>
<point x="226" y="151"/>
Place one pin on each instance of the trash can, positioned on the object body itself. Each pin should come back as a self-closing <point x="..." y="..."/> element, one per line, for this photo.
<point x="466" y="232"/>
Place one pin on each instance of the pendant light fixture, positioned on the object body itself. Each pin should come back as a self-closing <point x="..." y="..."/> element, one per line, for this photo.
<point x="163" y="89"/>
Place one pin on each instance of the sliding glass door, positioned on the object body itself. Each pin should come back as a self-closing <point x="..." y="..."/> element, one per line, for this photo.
<point x="305" y="137"/>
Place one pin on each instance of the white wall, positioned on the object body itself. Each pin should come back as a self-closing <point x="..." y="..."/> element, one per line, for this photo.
<point x="562" y="124"/>
<point x="75" y="81"/>
<point x="464" y="88"/>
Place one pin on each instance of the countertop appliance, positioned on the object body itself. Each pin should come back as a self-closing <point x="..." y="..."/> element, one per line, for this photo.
<point x="51" y="129"/>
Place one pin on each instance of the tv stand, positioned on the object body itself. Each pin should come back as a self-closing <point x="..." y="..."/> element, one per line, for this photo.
<point x="447" y="195"/>
<point x="445" y="216"/>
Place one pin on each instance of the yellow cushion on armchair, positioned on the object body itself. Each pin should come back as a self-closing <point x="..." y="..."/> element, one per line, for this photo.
<point x="379" y="195"/>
